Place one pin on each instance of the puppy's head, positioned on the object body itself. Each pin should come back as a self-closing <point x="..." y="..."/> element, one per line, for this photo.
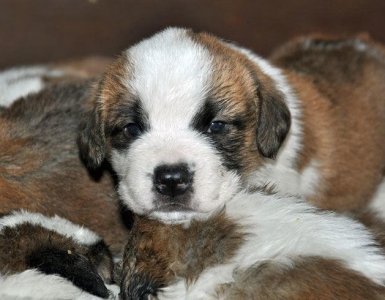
<point x="181" y="116"/>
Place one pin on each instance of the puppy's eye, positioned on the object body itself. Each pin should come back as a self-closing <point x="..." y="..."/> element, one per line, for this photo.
<point x="132" y="130"/>
<point x="217" y="127"/>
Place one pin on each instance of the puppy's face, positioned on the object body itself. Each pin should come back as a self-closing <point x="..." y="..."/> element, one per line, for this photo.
<point x="182" y="116"/>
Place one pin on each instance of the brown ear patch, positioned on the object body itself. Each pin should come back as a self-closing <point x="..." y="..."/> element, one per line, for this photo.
<point x="273" y="122"/>
<point x="92" y="138"/>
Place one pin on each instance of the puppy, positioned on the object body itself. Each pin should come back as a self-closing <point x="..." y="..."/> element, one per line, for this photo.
<point x="180" y="114"/>
<point x="183" y="117"/>
<point x="260" y="246"/>
<point x="42" y="256"/>
<point x="35" y="250"/>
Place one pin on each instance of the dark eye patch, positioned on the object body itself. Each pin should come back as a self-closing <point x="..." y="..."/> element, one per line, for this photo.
<point x="224" y="128"/>
<point x="205" y="120"/>
<point x="127" y="123"/>
<point x="205" y="116"/>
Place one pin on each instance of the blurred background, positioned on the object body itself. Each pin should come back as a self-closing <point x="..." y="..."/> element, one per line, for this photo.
<point x="39" y="31"/>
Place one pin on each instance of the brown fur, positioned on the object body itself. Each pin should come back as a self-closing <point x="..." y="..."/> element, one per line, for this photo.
<point x="87" y="67"/>
<point x="341" y="92"/>
<point x="161" y="252"/>
<point x="309" y="278"/>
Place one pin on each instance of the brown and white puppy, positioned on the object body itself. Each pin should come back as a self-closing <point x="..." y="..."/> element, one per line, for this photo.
<point x="46" y="258"/>
<point x="40" y="171"/>
<point x="184" y="117"/>
<point x="181" y="114"/>
<point x="259" y="247"/>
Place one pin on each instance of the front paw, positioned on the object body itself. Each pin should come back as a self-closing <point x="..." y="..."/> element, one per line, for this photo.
<point x="73" y="266"/>
<point x="138" y="286"/>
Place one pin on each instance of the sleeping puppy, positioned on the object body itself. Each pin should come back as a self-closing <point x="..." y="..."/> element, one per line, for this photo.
<point x="40" y="168"/>
<point x="46" y="258"/>
<point x="259" y="246"/>
<point x="41" y="172"/>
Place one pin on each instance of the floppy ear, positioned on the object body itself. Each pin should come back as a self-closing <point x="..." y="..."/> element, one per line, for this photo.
<point x="273" y="122"/>
<point x="92" y="139"/>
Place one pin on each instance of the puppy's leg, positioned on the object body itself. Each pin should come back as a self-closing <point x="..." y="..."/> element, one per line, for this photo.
<point x="158" y="254"/>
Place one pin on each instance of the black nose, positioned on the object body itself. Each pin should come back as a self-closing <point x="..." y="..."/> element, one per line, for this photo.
<point x="172" y="180"/>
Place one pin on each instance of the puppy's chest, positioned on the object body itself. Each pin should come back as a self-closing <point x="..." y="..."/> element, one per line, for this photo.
<point x="163" y="253"/>
<point x="213" y="243"/>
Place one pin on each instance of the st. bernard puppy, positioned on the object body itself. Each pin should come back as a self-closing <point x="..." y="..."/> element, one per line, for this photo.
<point x="184" y="117"/>
<point x="180" y="114"/>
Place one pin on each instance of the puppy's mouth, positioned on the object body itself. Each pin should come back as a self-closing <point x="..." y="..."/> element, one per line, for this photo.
<point x="174" y="213"/>
<point x="173" y="207"/>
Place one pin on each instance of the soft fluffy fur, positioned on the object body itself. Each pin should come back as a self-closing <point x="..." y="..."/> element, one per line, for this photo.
<point x="259" y="247"/>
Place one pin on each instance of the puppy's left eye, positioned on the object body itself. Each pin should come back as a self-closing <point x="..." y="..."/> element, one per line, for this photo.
<point x="217" y="127"/>
<point x="132" y="130"/>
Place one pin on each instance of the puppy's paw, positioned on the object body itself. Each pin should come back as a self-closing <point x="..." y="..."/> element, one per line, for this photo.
<point x="71" y="265"/>
<point x="138" y="286"/>
<point x="55" y="246"/>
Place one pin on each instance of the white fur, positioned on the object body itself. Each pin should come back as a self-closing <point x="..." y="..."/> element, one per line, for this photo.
<point x="377" y="204"/>
<point x="20" y="82"/>
<point x="310" y="180"/>
<point x="33" y="285"/>
<point x="280" y="230"/>
<point x="212" y="183"/>
<point x="62" y="226"/>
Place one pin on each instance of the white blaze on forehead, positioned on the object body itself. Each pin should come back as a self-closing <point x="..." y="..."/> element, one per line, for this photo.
<point x="171" y="75"/>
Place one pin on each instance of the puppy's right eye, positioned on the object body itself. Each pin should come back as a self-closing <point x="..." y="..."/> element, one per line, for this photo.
<point x="132" y="130"/>
<point x="217" y="127"/>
